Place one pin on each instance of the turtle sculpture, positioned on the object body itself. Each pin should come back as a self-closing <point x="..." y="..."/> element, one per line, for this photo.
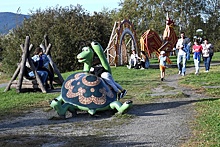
<point x="87" y="92"/>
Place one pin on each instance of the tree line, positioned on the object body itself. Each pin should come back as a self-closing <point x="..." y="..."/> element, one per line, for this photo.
<point x="72" y="27"/>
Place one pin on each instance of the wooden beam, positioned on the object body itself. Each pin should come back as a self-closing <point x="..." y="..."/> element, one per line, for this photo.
<point x="41" y="86"/>
<point x="23" y="63"/>
<point x="47" y="52"/>
<point x="55" y="69"/>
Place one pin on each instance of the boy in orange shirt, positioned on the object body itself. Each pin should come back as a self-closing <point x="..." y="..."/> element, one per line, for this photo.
<point x="162" y="60"/>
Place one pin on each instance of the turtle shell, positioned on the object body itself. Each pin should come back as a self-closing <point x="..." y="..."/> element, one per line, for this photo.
<point x="87" y="90"/>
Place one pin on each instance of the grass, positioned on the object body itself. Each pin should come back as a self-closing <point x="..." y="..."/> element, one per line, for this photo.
<point x="206" y="126"/>
<point x="207" y="82"/>
<point x="15" y="103"/>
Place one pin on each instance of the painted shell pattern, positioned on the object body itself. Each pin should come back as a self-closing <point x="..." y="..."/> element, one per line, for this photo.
<point x="87" y="90"/>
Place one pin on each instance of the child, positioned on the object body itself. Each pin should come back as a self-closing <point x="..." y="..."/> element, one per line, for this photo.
<point x="197" y="50"/>
<point x="162" y="60"/>
<point x="133" y="62"/>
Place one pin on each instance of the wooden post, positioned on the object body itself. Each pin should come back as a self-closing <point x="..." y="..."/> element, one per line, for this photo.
<point x="17" y="70"/>
<point x="23" y="62"/>
<point x="55" y="69"/>
<point x="36" y="75"/>
<point x="48" y="49"/>
<point x="53" y="65"/>
<point x="46" y="40"/>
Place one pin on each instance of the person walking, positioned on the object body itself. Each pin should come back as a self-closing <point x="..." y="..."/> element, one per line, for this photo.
<point x="162" y="61"/>
<point x="182" y="46"/>
<point x="197" y="50"/>
<point x="207" y="53"/>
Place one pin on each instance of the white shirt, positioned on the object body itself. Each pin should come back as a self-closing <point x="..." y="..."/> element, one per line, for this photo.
<point x="134" y="58"/>
<point x="179" y="46"/>
<point x="206" y="49"/>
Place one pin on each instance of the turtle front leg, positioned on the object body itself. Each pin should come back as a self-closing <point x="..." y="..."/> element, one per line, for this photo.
<point x="61" y="107"/>
<point x="121" y="108"/>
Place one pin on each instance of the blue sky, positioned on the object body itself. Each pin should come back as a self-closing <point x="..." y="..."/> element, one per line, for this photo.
<point x="27" y="5"/>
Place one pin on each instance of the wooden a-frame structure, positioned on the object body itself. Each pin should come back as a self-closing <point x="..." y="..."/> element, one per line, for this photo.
<point x="116" y="51"/>
<point x="19" y="74"/>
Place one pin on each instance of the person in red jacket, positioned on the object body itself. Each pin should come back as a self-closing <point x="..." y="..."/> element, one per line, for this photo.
<point x="197" y="50"/>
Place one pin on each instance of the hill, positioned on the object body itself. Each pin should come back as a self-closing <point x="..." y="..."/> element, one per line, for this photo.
<point x="10" y="20"/>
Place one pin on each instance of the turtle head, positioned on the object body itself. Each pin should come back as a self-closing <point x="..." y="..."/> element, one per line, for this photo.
<point x="86" y="55"/>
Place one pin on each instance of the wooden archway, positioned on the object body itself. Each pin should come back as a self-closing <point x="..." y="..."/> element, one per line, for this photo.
<point x="118" y="50"/>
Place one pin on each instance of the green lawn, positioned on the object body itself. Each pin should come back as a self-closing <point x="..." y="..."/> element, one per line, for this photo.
<point x="207" y="125"/>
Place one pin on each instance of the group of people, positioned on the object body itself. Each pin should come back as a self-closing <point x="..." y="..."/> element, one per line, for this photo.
<point x="204" y="50"/>
<point x="200" y="50"/>
<point x="137" y="62"/>
<point x="41" y="63"/>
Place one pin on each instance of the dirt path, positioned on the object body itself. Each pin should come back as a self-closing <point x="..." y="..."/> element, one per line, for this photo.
<point x="163" y="122"/>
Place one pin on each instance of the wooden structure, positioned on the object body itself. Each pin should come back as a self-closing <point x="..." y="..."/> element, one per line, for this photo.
<point x="151" y="42"/>
<point x="118" y="50"/>
<point x="18" y="79"/>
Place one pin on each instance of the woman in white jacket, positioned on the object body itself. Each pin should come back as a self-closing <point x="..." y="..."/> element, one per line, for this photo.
<point x="207" y="54"/>
<point x="133" y="62"/>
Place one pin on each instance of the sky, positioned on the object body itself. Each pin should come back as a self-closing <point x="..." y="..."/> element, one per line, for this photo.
<point x="24" y="6"/>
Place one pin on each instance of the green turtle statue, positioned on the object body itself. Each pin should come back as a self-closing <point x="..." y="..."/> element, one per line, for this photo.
<point x="86" y="91"/>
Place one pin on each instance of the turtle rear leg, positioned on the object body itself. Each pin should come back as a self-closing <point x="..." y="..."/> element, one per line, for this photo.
<point x="121" y="107"/>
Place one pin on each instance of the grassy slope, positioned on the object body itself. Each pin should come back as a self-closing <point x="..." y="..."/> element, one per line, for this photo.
<point x="206" y="127"/>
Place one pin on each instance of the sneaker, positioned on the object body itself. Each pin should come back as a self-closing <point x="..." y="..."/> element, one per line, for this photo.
<point x="179" y="73"/>
<point x="129" y="67"/>
<point x="118" y="96"/>
<point x="161" y="79"/>
<point x="142" y="68"/>
<point x="196" y="73"/>
<point x="207" y="71"/>
<point x="183" y="74"/>
<point x="123" y="93"/>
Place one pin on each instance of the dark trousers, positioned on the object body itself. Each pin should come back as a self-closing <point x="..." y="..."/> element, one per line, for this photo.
<point x="50" y="75"/>
<point x="207" y="61"/>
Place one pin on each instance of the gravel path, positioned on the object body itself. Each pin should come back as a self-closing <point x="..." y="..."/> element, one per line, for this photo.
<point x="161" y="123"/>
<point x="3" y="85"/>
